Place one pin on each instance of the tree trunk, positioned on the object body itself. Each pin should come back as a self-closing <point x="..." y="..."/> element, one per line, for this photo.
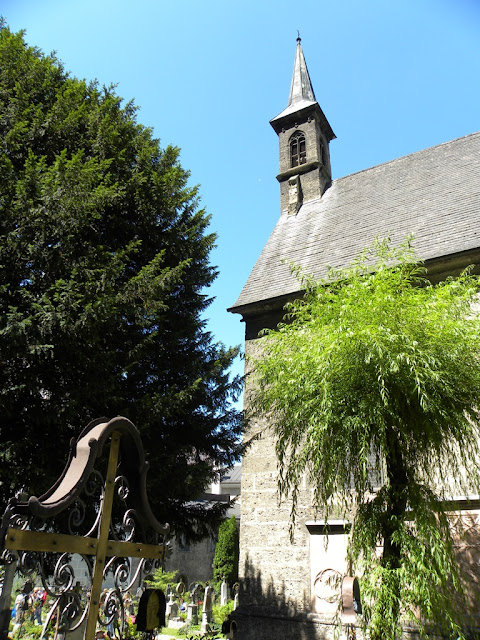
<point x="397" y="480"/>
<point x="388" y="602"/>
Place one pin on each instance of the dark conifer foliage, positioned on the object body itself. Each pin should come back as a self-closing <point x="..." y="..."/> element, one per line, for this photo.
<point x="104" y="262"/>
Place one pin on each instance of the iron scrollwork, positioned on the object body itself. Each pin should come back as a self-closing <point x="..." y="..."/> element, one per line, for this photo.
<point x="73" y="509"/>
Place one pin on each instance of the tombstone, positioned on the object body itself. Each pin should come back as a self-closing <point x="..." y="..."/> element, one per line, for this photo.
<point x="79" y="632"/>
<point x="232" y="631"/>
<point x="328" y="564"/>
<point x="172" y="607"/>
<point x="224" y="592"/>
<point x="236" y="590"/>
<point x="180" y="588"/>
<point x="173" y="611"/>
<point x="192" y="613"/>
<point x="351" y="600"/>
<point x="229" y="627"/>
<point x="139" y="592"/>
<point x="194" y="587"/>
<point x="192" y="608"/>
<point x="151" y="610"/>
<point x="207" y="609"/>
<point x="76" y="516"/>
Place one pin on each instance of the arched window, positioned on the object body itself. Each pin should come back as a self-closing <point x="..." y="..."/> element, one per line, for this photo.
<point x="298" y="153"/>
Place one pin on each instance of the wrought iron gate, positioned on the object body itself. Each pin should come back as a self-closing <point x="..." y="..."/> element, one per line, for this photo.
<point x="103" y="516"/>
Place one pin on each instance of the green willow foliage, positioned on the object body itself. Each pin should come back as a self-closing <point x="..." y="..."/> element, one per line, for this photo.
<point x="104" y="265"/>
<point x="371" y="386"/>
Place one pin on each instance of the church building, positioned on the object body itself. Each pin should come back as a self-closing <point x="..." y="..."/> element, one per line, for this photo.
<point x="433" y="195"/>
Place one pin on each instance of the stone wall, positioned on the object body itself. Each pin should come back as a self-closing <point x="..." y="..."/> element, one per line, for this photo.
<point x="271" y="567"/>
<point x="274" y="573"/>
<point x="315" y="175"/>
<point x="194" y="561"/>
<point x="283" y="593"/>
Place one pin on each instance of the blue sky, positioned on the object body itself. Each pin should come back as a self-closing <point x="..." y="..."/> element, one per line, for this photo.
<point x="392" y="77"/>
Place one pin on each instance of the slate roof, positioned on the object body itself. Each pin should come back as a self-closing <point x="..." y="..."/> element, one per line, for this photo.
<point x="234" y="476"/>
<point x="433" y="194"/>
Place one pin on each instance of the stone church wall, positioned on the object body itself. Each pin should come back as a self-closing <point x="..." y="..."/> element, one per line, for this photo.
<point x="286" y="588"/>
<point x="274" y="573"/>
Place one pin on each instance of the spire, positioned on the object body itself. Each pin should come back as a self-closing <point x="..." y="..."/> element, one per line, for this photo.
<point x="301" y="88"/>
<point x="304" y="134"/>
<point x="301" y="91"/>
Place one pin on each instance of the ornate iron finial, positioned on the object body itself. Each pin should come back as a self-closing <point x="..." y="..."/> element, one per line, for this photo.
<point x="298" y="36"/>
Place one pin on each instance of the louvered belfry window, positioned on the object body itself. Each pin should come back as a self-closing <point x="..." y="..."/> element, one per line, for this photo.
<point x="298" y="153"/>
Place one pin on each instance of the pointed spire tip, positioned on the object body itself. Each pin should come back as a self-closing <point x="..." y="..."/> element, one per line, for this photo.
<point x="301" y="87"/>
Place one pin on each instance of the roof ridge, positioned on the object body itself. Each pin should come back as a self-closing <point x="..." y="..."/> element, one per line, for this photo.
<point x="408" y="155"/>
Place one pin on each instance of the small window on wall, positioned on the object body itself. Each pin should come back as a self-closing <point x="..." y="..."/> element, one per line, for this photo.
<point x="298" y="153"/>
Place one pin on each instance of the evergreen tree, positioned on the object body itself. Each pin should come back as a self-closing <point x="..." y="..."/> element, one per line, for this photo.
<point x="225" y="561"/>
<point x="372" y="388"/>
<point x="104" y="265"/>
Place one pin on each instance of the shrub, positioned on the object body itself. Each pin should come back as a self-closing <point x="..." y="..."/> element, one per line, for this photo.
<point x="161" y="579"/>
<point x="220" y="612"/>
<point x="225" y="562"/>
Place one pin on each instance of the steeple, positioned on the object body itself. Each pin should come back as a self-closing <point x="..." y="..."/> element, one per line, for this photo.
<point x="301" y="90"/>
<point x="304" y="136"/>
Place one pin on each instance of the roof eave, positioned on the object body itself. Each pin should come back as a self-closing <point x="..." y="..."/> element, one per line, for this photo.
<point x="288" y="117"/>
<point x="437" y="269"/>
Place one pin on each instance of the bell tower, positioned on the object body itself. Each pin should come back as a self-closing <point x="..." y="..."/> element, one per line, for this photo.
<point x="304" y="135"/>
